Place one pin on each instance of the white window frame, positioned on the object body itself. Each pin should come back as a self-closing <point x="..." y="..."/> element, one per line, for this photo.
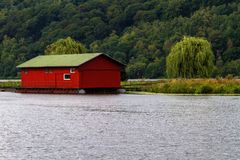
<point x="72" y="70"/>
<point x="66" y="79"/>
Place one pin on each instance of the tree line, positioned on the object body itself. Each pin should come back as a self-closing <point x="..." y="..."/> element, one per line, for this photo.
<point x="139" y="33"/>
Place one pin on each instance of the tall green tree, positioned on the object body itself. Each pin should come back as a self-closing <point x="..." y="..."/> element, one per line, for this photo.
<point x="231" y="68"/>
<point x="65" y="46"/>
<point x="8" y="56"/>
<point x="190" y="58"/>
<point x="136" y="70"/>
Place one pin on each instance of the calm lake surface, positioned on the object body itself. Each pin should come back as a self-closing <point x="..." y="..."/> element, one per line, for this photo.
<point x="118" y="127"/>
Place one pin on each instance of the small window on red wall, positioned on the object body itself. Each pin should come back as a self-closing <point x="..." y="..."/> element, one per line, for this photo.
<point x="67" y="77"/>
<point x="25" y="71"/>
<point x="72" y="70"/>
<point x="48" y="70"/>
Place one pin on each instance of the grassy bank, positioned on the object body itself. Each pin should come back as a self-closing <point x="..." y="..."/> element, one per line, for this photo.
<point x="186" y="86"/>
<point x="172" y="86"/>
<point x="9" y="84"/>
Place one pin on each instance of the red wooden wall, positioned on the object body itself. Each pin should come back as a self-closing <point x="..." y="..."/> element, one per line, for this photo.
<point x="101" y="72"/>
<point x="38" y="78"/>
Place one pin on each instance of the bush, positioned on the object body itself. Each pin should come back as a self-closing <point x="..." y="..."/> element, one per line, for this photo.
<point x="181" y="88"/>
<point x="165" y="88"/>
<point x="219" y="89"/>
<point x="204" y="89"/>
<point x="237" y="90"/>
<point x="229" y="76"/>
<point x="9" y="84"/>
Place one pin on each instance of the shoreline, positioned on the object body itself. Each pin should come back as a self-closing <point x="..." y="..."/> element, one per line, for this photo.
<point x="171" y="87"/>
<point x="177" y="94"/>
<point x="8" y="89"/>
<point x="13" y="90"/>
<point x="184" y="87"/>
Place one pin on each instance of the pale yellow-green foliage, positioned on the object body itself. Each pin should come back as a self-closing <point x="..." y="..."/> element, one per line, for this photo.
<point x="10" y="84"/>
<point x="190" y="58"/>
<point x="65" y="46"/>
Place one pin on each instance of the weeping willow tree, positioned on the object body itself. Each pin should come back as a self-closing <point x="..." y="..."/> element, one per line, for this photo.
<point x="190" y="58"/>
<point x="65" y="46"/>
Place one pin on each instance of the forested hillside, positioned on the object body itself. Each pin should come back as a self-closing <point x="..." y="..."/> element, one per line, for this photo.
<point x="139" y="33"/>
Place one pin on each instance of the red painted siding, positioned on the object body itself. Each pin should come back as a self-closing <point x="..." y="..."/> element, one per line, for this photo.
<point x="101" y="72"/>
<point x="38" y="78"/>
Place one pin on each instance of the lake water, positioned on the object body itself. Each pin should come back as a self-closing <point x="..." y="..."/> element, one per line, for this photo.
<point x="118" y="127"/>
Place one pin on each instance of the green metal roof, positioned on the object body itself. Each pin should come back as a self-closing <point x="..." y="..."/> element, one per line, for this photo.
<point x="67" y="60"/>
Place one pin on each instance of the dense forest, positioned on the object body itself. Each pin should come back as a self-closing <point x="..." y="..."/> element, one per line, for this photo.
<point x="139" y="33"/>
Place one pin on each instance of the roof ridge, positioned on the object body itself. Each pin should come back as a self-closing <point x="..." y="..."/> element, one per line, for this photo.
<point x="69" y="54"/>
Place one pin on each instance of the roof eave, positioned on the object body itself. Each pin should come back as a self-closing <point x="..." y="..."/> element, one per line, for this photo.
<point x="45" y="66"/>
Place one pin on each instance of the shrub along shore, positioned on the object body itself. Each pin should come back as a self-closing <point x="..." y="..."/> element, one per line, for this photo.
<point x="9" y="84"/>
<point x="170" y="86"/>
<point x="185" y="86"/>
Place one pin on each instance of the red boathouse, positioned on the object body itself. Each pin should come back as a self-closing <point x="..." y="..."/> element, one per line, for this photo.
<point x="72" y="71"/>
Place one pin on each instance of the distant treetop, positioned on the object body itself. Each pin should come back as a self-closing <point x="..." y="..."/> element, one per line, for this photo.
<point x="65" y="46"/>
